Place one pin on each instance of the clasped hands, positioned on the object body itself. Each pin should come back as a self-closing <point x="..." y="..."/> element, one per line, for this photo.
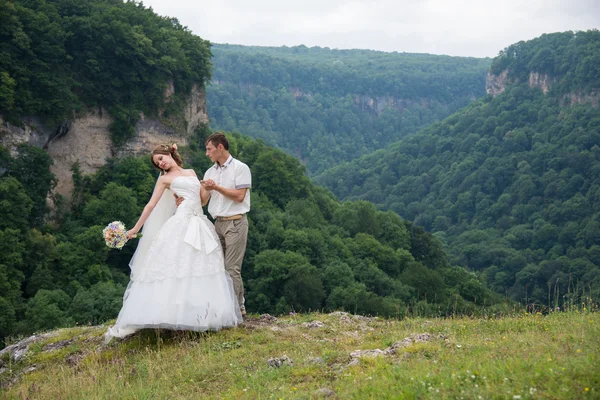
<point x="207" y="184"/>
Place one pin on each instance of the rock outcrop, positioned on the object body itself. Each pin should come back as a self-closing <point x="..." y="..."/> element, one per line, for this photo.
<point x="86" y="139"/>
<point x="540" y="81"/>
<point x="592" y="98"/>
<point x="379" y="103"/>
<point x="496" y="84"/>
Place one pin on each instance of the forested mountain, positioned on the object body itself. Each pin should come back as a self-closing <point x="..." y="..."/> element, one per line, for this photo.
<point x="58" y="57"/>
<point x="306" y="251"/>
<point x="510" y="183"/>
<point x="327" y="106"/>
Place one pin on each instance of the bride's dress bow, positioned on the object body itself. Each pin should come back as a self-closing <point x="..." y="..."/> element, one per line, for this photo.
<point x="199" y="236"/>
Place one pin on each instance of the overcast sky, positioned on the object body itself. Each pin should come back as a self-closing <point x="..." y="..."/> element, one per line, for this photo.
<point x="478" y="28"/>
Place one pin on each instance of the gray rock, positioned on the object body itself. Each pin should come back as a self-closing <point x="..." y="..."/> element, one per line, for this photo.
<point x="57" y="346"/>
<point x="362" y="318"/>
<point x="313" y="324"/>
<point x="339" y="314"/>
<point x="19" y="353"/>
<point x="354" y="361"/>
<point x="19" y="350"/>
<point x="407" y="341"/>
<point x="279" y="362"/>
<point x="324" y="392"/>
<point x="368" y="353"/>
<point x="316" y="360"/>
<point x="267" y="318"/>
<point x="30" y="368"/>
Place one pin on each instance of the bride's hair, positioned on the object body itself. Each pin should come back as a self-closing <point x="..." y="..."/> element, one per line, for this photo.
<point x="167" y="150"/>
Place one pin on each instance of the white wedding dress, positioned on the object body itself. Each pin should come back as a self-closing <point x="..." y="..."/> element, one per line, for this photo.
<point x="178" y="278"/>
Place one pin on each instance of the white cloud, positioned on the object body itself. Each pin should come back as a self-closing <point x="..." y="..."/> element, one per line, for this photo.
<point x="478" y="28"/>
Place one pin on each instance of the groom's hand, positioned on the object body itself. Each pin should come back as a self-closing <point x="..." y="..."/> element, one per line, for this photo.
<point x="209" y="184"/>
<point x="178" y="200"/>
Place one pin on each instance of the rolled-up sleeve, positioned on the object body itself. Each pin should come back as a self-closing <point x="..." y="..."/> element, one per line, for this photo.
<point x="243" y="177"/>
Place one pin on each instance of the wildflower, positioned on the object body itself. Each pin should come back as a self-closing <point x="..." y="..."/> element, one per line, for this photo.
<point x="579" y="350"/>
<point x="587" y="389"/>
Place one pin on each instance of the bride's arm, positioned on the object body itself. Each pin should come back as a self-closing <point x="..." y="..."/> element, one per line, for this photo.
<point x="160" y="187"/>
<point x="204" y="195"/>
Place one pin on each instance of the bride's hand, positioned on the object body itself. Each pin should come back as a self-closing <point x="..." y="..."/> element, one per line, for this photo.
<point x="131" y="234"/>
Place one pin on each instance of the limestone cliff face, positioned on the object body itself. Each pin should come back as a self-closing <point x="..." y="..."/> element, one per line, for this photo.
<point x="540" y="81"/>
<point x="592" y="98"/>
<point x="496" y="84"/>
<point x="86" y="139"/>
<point x="379" y="103"/>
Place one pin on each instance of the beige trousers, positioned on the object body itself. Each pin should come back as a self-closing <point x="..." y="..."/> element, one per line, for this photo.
<point x="233" y="236"/>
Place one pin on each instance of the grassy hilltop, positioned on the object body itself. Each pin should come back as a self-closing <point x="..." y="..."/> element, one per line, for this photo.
<point x="527" y="356"/>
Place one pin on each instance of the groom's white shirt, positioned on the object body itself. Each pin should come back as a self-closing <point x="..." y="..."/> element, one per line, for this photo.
<point x="233" y="174"/>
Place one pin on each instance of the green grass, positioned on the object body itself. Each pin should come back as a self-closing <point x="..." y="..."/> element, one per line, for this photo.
<point x="533" y="356"/>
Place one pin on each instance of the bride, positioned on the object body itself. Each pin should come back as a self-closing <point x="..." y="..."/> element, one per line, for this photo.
<point x="178" y="279"/>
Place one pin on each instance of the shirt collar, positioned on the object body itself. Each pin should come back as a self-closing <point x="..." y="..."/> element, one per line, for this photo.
<point x="225" y="164"/>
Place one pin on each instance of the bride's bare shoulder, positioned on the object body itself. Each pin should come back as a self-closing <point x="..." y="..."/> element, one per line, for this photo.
<point x="164" y="180"/>
<point x="190" y="172"/>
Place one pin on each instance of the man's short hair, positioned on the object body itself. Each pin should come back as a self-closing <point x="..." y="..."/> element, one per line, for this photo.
<point x="218" y="138"/>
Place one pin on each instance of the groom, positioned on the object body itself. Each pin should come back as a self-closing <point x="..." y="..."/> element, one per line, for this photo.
<point x="227" y="185"/>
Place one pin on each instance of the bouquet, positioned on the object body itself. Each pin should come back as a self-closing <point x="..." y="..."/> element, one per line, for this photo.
<point x="115" y="235"/>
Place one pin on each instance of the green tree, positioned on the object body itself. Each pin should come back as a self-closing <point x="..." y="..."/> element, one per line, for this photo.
<point x="32" y="168"/>
<point x="97" y="304"/>
<point x="116" y="202"/>
<point x="15" y="205"/>
<point x="47" y="310"/>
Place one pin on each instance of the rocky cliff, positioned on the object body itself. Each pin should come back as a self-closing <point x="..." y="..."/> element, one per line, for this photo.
<point x="86" y="139"/>
<point x="496" y="84"/>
